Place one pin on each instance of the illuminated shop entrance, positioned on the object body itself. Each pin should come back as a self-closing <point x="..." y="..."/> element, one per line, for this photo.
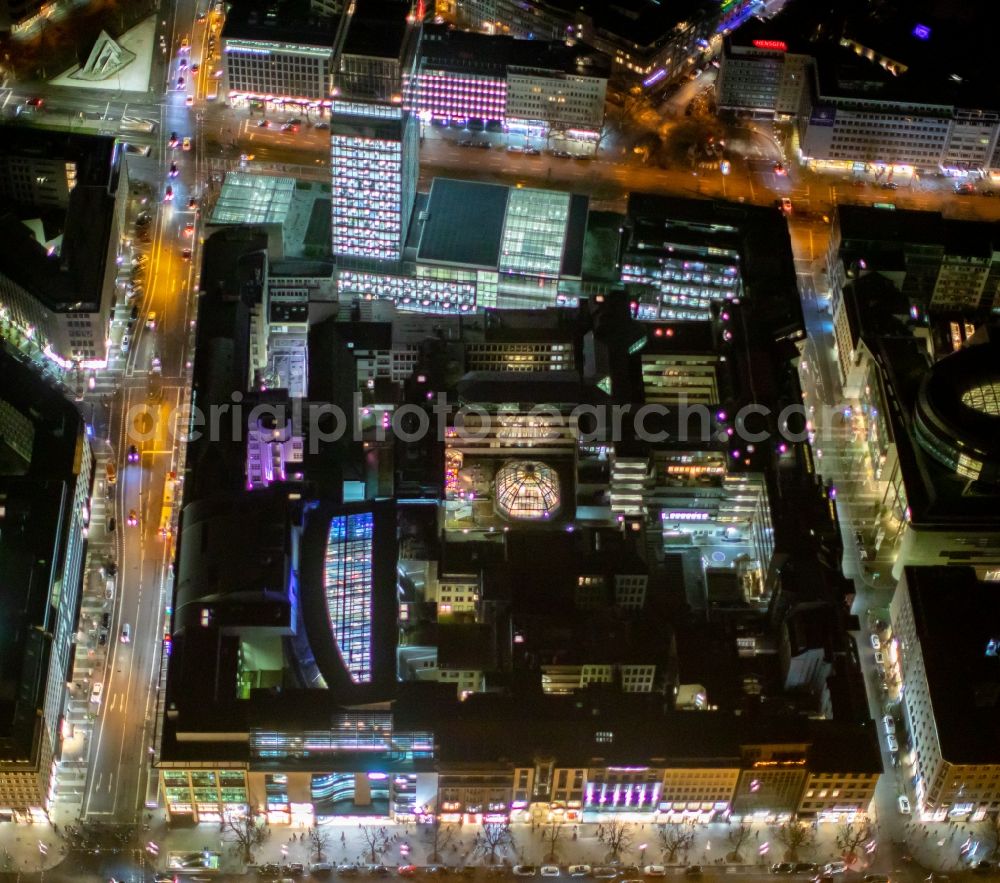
<point x="350" y="794"/>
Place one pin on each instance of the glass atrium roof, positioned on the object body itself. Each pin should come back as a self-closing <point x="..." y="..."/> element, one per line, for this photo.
<point x="527" y="490"/>
<point x="253" y="199"/>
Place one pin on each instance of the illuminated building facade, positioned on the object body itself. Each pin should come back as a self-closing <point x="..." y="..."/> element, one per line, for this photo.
<point x="59" y="293"/>
<point x="945" y="649"/>
<point x="762" y="76"/>
<point x="348" y="582"/>
<point x="373" y="161"/>
<point x="266" y="70"/>
<point x="530" y="86"/>
<point x="46" y="478"/>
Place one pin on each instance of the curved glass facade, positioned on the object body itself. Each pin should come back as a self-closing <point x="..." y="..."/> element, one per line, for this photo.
<point x="348" y="586"/>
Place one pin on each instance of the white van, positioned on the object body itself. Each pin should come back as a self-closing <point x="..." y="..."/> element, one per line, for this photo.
<point x="109" y="588"/>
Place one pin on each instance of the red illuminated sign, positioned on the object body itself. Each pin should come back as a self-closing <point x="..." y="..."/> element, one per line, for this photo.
<point x="779" y="45"/>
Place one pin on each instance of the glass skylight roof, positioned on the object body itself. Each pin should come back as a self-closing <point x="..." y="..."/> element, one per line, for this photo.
<point x="527" y="490"/>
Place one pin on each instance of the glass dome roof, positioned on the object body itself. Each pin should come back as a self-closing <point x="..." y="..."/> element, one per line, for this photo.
<point x="527" y="490"/>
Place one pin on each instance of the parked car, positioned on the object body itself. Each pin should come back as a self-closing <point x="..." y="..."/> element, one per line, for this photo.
<point x="655" y="871"/>
<point x="834" y="868"/>
<point x="876" y="642"/>
<point x="889" y="722"/>
<point x="904" y="804"/>
<point x="96" y="692"/>
<point x="782" y="868"/>
<point x="525" y="870"/>
<point x="578" y="870"/>
<point x="875" y="878"/>
<point x="605" y="873"/>
<point x="133" y="454"/>
<point x="892" y="743"/>
<point x="550" y="870"/>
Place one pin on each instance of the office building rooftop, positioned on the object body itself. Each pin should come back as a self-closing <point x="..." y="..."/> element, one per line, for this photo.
<point x="957" y="621"/>
<point x="279" y="21"/>
<point x="445" y="48"/>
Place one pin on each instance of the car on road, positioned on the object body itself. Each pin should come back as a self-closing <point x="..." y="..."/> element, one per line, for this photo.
<point x="782" y="868"/>
<point x="133" y="454"/>
<point x="195" y="68"/>
<point x="879" y="658"/>
<point x="111" y="524"/>
<point x="404" y="870"/>
<point x="186" y="254"/>
<point x="182" y="63"/>
<point x="180" y="82"/>
<point x="193" y="204"/>
<point x="904" y="804"/>
<point x="96" y="692"/>
<point x="834" y="868"/>
<point x="892" y="744"/>
<point x="133" y="518"/>
<point x="578" y="870"/>
<point x="785" y="205"/>
<point x="168" y="194"/>
<point x="780" y="170"/>
<point x="264" y="124"/>
<point x="189" y="101"/>
<point x="876" y="642"/>
<point x="186" y="144"/>
<point x="525" y="870"/>
<point x="605" y="873"/>
<point x="322" y="126"/>
<point x="532" y="151"/>
<point x="655" y="871"/>
<point x="889" y="722"/>
<point x="35" y="102"/>
<point x="550" y="870"/>
<point x="151" y="320"/>
<point x="126" y="633"/>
